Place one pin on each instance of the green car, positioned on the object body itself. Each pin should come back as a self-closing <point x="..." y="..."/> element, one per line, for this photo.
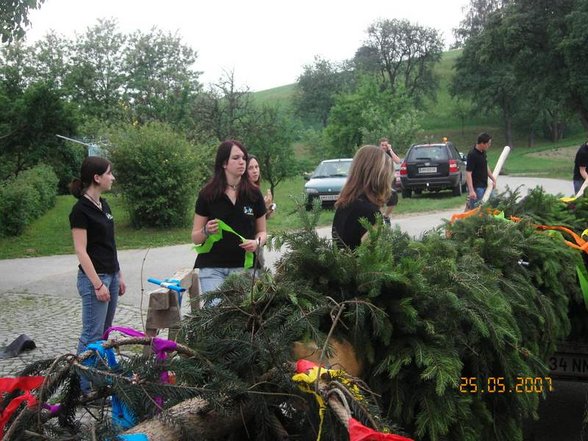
<point x="326" y="181"/>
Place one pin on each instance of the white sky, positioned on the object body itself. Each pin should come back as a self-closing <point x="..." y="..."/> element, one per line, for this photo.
<point x="265" y="42"/>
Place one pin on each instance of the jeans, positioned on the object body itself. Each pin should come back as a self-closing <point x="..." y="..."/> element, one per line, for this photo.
<point x="577" y="186"/>
<point x="479" y="195"/>
<point x="212" y="278"/>
<point x="97" y="316"/>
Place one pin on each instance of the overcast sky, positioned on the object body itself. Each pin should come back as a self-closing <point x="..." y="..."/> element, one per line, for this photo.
<point x="265" y="42"/>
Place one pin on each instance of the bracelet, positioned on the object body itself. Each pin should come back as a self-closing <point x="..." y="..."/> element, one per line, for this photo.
<point x="98" y="289"/>
<point x="205" y="231"/>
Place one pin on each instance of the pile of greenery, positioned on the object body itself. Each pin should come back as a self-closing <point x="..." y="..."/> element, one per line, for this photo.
<point x="483" y="297"/>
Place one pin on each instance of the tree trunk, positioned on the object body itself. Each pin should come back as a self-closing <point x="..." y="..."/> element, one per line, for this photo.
<point x="192" y="416"/>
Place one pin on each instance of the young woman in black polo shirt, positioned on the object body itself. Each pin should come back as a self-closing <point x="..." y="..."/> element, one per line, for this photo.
<point x="233" y="199"/>
<point x="366" y="190"/>
<point x="92" y="225"/>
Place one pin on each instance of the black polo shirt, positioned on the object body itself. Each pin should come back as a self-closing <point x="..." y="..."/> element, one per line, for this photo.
<point x="580" y="161"/>
<point x="478" y="165"/>
<point x="241" y="217"/>
<point x="99" y="226"/>
<point x="346" y="230"/>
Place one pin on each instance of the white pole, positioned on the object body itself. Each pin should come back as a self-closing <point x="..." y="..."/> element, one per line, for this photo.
<point x="496" y="172"/>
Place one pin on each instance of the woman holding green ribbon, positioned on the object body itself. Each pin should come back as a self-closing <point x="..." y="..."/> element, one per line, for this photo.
<point x="229" y="223"/>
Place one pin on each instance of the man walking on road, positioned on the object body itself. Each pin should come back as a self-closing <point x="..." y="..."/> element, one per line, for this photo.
<point x="580" y="167"/>
<point x="478" y="172"/>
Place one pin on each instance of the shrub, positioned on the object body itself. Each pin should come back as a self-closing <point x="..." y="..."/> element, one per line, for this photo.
<point x="159" y="174"/>
<point x="26" y="198"/>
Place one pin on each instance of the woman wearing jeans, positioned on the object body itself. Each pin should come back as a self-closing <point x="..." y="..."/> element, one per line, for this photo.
<point x="233" y="199"/>
<point x="99" y="279"/>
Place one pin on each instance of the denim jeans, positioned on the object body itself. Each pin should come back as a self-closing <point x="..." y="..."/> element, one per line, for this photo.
<point x="577" y="186"/>
<point x="212" y="278"/>
<point x="479" y="195"/>
<point x="97" y="316"/>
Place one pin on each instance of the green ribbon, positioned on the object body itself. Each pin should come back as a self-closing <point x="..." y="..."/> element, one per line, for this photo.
<point x="583" y="285"/>
<point x="206" y="246"/>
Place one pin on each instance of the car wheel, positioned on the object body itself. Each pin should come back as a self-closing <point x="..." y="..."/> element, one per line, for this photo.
<point x="309" y="204"/>
<point x="457" y="190"/>
<point x="406" y="192"/>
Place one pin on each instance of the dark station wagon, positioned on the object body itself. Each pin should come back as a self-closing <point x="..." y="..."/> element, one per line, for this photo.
<point x="433" y="167"/>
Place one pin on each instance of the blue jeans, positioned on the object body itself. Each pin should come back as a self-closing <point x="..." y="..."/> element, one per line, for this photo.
<point x="479" y="195"/>
<point x="212" y="278"/>
<point x="97" y="316"/>
<point x="577" y="186"/>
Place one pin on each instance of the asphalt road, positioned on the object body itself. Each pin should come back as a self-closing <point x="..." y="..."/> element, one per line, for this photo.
<point x="48" y="284"/>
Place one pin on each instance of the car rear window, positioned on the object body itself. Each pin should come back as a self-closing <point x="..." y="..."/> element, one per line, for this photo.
<point x="428" y="153"/>
<point x="332" y="168"/>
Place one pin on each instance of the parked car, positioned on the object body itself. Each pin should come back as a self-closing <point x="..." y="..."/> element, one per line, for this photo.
<point x="326" y="181"/>
<point x="433" y="167"/>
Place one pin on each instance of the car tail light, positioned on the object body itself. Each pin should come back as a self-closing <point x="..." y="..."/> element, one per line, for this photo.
<point x="453" y="168"/>
<point x="403" y="170"/>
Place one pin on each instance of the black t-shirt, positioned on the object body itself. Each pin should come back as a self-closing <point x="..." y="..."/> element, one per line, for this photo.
<point x="346" y="230"/>
<point x="580" y="161"/>
<point x="99" y="226"/>
<point x="241" y="217"/>
<point x="478" y="165"/>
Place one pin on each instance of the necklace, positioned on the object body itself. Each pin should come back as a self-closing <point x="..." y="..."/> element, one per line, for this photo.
<point x="94" y="201"/>
<point x="233" y="186"/>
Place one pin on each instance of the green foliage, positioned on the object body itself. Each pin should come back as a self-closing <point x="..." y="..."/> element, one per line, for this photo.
<point x="484" y="297"/>
<point x="26" y="198"/>
<point x="158" y="172"/>
<point x="15" y="18"/>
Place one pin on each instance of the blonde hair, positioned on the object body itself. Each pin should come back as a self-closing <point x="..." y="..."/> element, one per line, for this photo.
<point x="371" y="174"/>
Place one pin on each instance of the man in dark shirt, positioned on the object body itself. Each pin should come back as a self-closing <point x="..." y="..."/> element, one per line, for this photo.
<point x="478" y="172"/>
<point x="580" y="167"/>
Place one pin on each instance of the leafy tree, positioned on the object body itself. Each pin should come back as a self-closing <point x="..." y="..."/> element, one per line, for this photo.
<point x="406" y="56"/>
<point x="221" y="111"/>
<point x="476" y="18"/>
<point x="270" y="135"/>
<point x="29" y="122"/>
<point x="14" y="17"/>
<point x="316" y="89"/>
<point x="160" y="80"/>
<point x="159" y="172"/>
<point x="97" y="75"/>
<point x="366" y="114"/>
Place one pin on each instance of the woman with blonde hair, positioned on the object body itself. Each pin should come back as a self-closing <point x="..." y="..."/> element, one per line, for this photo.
<point x="367" y="188"/>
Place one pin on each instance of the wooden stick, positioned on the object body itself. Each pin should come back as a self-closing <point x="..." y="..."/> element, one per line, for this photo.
<point x="496" y="172"/>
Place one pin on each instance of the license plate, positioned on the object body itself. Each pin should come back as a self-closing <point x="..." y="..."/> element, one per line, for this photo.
<point x="428" y="170"/>
<point x="570" y="361"/>
<point x="329" y="197"/>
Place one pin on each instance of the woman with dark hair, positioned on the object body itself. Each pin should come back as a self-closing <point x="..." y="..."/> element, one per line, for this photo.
<point x="366" y="190"/>
<point x="99" y="281"/>
<point x="231" y="203"/>
<point x="254" y="175"/>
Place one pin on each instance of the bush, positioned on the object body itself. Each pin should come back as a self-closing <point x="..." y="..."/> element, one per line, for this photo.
<point x="26" y="198"/>
<point x="159" y="174"/>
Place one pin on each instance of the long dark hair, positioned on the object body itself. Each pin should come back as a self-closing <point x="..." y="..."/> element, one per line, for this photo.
<point x="249" y="159"/>
<point x="92" y="165"/>
<point x="215" y="187"/>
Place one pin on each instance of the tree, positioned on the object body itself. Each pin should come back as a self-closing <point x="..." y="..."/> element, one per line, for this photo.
<point x="29" y="122"/>
<point x="476" y="18"/>
<point x="14" y="17"/>
<point x="97" y="74"/>
<point x="221" y="111"/>
<point x="269" y="135"/>
<point x="368" y="113"/>
<point x="161" y="82"/>
<point x="406" y="55"/>
<point x="316" y="89"/>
